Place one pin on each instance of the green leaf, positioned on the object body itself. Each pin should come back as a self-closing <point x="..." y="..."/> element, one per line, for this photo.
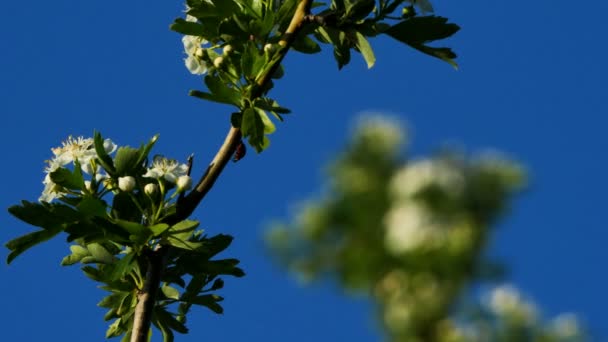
<point x="102" y="156"/>
<point x="100" y="254"/>
<point x="113" y="300"/>
<point x="78" y="252"/>
<point x="253" y="127"/>
<point x="170" y="292"/>
<point x="358" y="9"/>
<point x="133" y="228"/>
<point x="145" y="150"/>
<point x="68" y="179"/>
<point x="168" y="320"/>
<point x="210" y="301"/>
<point x="252" y="61"/>
<point x="124" y="208"/>
<point x="269" y="126"/>
<point x="285" y="13"/>
<point x="158" y="229"/>
<point x="47" y="216"/>
<point x="305" y="44"/>
<point x="91" y="206"/>
<point x="418" y="31"/>
<point x="187" y="27"/>
<point x="126" y="160"/>
<point x="123" y="267"/>
<point x="366" y="50"/>
<point x="25" y="242"/>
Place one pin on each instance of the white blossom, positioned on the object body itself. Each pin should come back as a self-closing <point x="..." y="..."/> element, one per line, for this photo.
<point x="184" y="183"/>
<point x="566" y="326"/>
<point x="126" y="183"/>
<point x="168" y="169"/>
<point x="193" y="46"/>
<point x="150" y="189"/>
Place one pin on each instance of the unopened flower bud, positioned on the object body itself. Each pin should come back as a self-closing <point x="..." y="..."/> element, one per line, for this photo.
<point x="227" y="49"/>
<point x="217" y="62"/>
<point x="126" y="184"/>
<point x="150" y="189"/>
<point x="268" y="48"/>
<point x="184" y="183"/>
<point x="87" y="185"/>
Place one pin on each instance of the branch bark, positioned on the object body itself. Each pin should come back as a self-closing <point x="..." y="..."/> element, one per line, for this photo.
<point x="186" y="205"/>
<point x="146" y="298"/>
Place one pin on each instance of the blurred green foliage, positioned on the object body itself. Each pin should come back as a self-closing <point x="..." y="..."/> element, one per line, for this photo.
<point x="411" y="233"/>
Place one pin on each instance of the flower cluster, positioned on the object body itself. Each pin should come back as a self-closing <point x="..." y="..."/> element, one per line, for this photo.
<point x="410" y="223"/>
<point x="77" y="157"/>
<point x="78" y="151"/>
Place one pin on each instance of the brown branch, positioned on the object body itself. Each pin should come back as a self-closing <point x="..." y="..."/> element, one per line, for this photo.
<point x="186" y="205"/>
<point x="146" y="298"/>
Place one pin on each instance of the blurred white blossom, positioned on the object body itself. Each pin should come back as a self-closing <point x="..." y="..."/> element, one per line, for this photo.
<point x="184" y="182"/>
<point x="566" y="326"/>
<point x="506" y="301"/>
<point x="418" y="175"/>
<point x="409" y="226"/>
<point x="385" y="133"/>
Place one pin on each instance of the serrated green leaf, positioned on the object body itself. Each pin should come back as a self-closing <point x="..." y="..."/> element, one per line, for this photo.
<point x="366" y="50"/>
<point x="68" y="179"/>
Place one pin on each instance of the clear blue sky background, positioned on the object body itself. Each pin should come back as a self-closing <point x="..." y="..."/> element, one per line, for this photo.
<point x="532" y="84"/>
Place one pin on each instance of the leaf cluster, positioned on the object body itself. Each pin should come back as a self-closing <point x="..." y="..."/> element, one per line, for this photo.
<point x="251" y="35"/>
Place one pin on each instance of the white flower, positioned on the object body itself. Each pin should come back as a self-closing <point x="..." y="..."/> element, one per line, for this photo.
<point x="150" y="189"/>
<point x="506" y="301"/>
<point x="409" y="226"/>
<point x="184" y="183"/>
<point x="420" y="174"/>
<point x="126" y="183"/>
<point x="194" y="51"/>
<point x="51" y="190"/>
<point x="168" y="169"/>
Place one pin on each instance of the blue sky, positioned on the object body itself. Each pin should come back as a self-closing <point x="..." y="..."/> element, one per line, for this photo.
<point x="531" y="84"/>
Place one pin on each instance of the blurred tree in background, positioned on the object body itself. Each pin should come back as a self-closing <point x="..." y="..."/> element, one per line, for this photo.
<point x="412" y="235"/>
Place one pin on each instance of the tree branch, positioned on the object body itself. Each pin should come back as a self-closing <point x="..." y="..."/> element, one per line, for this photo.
<point x="146" y="298"/>
<point x="187" y="204"/>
